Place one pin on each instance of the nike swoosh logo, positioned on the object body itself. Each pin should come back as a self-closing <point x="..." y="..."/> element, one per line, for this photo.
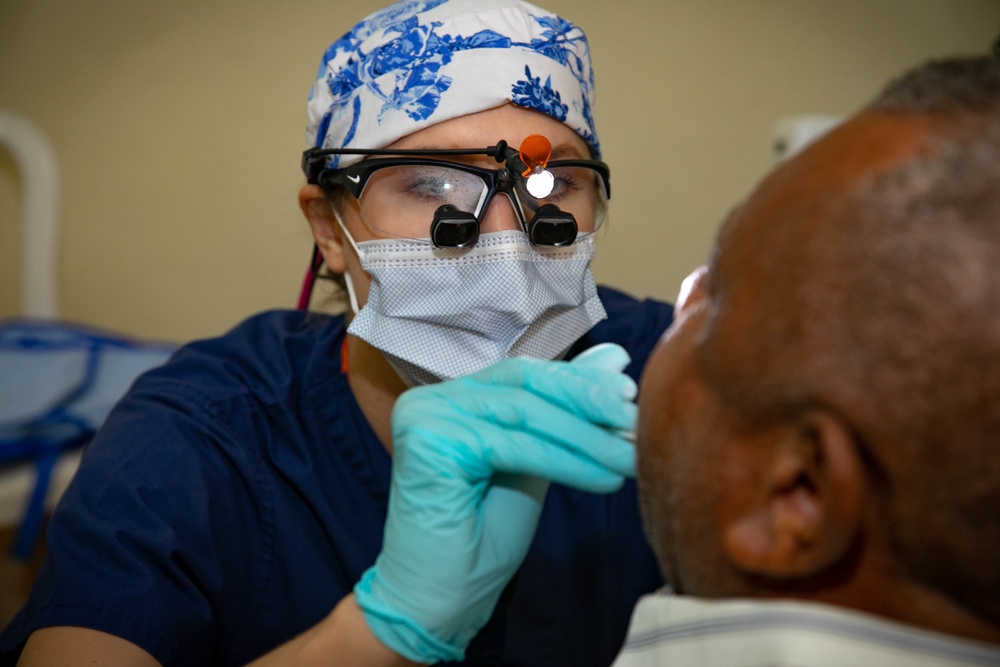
<point x="354" y="179"/>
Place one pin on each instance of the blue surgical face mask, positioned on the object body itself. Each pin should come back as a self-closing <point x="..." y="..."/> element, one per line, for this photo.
<point x="440" y="313"/>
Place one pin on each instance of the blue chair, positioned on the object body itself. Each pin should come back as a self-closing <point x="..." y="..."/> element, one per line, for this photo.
<point x="58" y="380"/>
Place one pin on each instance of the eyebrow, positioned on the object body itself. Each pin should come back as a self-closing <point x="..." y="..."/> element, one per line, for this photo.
<point x="564" y="151"/>
<point x="728" y="219"/>
<point x="559" y="152"/>
<point x="713" y="255"/>
<point x="727" y="222"/>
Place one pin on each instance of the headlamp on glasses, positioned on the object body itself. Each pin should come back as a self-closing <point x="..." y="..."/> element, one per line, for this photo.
<point x="401" y="192"/>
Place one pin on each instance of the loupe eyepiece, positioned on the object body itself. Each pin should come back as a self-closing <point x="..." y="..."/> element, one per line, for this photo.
<point x="452" y="228"/>
<point x="552" y="227"/>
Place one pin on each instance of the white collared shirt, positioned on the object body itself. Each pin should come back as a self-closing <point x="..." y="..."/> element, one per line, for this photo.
<point x="669" y="629"/>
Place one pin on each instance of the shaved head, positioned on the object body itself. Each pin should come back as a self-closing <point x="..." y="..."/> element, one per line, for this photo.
<point x="880" y="298"/>
<point x="823" y="418"/>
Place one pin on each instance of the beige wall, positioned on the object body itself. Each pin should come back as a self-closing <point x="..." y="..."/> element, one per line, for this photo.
<point x="179" y="125"/>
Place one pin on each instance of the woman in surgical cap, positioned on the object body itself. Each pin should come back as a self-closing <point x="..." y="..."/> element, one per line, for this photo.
<point x="237" y="495"/>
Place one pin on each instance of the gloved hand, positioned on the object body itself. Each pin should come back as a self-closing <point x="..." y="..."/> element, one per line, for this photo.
<point x="471" y="462"/>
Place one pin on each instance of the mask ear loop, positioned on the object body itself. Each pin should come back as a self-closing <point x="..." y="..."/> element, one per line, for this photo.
<point x="351" y="293"/>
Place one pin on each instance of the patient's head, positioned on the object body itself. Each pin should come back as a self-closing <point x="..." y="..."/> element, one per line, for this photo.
<point x="823" y="419"/>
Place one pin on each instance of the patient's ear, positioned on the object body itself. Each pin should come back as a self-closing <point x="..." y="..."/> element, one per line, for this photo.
<point x="805" y="510"/>
<point x="327" y="233"/>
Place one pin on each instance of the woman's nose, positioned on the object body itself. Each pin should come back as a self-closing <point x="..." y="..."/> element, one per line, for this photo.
<point x="499" y="216"/>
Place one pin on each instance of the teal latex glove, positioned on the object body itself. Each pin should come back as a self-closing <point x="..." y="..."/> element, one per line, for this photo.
<point x="472" y="460"/>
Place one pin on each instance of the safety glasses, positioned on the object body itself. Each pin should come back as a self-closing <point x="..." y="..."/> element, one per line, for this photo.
<point x="416" y="194"/>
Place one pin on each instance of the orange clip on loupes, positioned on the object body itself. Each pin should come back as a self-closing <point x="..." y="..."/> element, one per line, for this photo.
<point x="535" y="152"/>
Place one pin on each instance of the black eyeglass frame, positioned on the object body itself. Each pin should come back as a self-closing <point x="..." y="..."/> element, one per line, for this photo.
<point x="355" y="177"/>
<point x="549" y="226"/>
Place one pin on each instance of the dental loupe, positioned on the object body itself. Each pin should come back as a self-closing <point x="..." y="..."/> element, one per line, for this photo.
<point x="524" y="169"/>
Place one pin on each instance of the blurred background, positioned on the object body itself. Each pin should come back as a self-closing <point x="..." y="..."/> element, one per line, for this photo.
<point x="178" y="128"/>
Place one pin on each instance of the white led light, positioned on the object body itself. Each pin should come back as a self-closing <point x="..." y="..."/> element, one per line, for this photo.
<point x="540" y="184"/>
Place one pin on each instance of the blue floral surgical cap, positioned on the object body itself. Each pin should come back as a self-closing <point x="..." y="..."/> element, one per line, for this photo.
<point x="420" y="62"/>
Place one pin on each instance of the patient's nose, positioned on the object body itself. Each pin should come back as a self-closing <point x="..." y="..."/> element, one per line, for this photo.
<point x="692" y="289"/>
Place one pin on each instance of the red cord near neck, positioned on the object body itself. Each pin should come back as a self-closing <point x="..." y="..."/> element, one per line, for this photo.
<point x="306" y="292"/>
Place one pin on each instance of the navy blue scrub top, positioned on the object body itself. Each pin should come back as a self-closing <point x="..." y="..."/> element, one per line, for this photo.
<point x="238" y="493"/>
